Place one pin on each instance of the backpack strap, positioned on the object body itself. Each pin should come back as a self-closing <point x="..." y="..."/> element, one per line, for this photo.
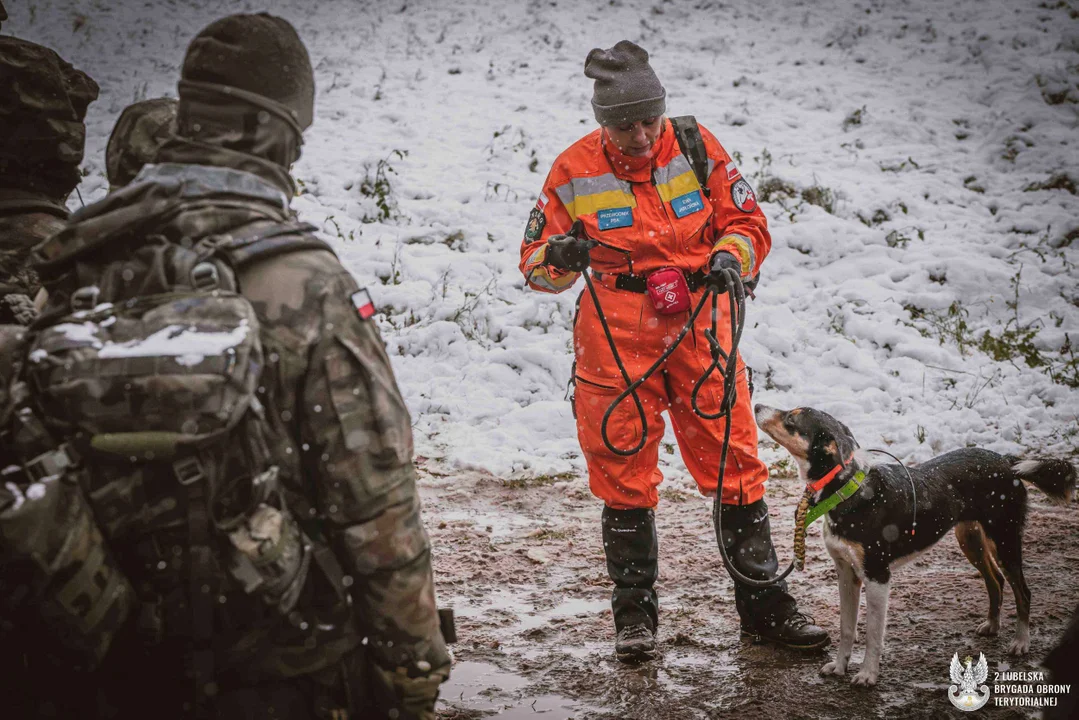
<point x="189" y="474"/>
<point x="37" y="205"/>
<point x="691" y="143"/>
<point x="263" y="239"/>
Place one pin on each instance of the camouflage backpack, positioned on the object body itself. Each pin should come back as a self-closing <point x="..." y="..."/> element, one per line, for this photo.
<point x="134" y="420"/>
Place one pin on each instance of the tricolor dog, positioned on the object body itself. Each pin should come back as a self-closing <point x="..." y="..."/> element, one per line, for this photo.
<point x="877" y="518"/>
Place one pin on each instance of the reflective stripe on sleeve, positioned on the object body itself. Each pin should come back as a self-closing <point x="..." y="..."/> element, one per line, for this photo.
<point x="541" y="278"/>
<point x="740" y="246"/>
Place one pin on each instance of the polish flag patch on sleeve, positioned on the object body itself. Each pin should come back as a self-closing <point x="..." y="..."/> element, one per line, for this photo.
<point x="732" y="171"/>
<point x="361" y="300"/>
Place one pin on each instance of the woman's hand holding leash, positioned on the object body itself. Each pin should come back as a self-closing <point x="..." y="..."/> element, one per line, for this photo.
<point x="571" y="250"/>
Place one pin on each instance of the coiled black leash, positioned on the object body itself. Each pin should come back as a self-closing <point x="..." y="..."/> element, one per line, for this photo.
<point x="736" y="297"/>
<point x="723" y="362"/>
<point x="632" y="385"/>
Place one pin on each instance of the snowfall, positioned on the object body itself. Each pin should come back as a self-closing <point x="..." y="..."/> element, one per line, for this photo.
<point x="917" y="161"/>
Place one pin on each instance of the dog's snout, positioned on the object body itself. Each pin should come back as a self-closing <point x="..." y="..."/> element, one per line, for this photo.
<point x="763" y="413"/>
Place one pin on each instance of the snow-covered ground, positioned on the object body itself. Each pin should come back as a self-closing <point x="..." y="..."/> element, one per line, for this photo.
<point x="925" y="127"/>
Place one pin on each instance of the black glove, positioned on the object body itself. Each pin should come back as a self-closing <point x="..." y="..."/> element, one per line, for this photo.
<point x="717" y="279"/>
<point x="570" y="251"/>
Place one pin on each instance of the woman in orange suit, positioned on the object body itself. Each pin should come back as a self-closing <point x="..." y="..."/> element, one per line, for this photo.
<point x="642" y="210"/>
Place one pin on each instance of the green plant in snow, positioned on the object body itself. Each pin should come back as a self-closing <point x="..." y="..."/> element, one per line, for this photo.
<point x="376" y="185"/>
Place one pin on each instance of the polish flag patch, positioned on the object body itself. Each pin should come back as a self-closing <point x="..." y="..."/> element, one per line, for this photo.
<point x="732" y="171"/>
<point x="361" y="300"/>
<point x="541" y="202"/>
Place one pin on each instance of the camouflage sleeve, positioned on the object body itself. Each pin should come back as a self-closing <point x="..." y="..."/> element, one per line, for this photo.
<point x="356" y="422"/>
<point x="19" y="233"/>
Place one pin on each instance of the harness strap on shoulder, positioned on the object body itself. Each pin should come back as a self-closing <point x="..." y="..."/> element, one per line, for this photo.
<point x="691" y="143"/>
<point x="264" y="239"/>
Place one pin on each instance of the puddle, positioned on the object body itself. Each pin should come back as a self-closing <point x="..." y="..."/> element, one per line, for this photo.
<point x="483" y="686"/>
<point x="502" y="526"/>
<point x="721" y="663"/>
<point x="518" y="604"/>
<point x="569" y="607"/>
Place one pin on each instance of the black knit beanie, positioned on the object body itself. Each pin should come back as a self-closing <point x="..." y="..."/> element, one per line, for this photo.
<point x="626" y="88"/>
<point x="260" y="54"/>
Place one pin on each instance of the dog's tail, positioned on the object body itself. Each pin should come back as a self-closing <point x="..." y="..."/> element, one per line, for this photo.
<point x="1055" y="478"/>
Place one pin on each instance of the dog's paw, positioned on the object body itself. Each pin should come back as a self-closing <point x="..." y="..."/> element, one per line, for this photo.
<point x="864" y="678"/>
<point x="989" y="627"/>
<point x="1019" y="646"/>
<point x="834" y="668"/>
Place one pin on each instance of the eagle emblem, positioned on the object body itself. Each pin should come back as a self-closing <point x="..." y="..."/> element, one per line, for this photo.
<point x="965" y="693"/>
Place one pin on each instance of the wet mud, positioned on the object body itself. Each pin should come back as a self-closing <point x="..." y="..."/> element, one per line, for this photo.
<point x="521" y="563"/>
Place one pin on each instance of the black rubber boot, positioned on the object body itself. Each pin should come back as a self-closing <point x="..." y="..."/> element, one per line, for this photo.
<point x="632" y="549"/>
<point x="769" y="613"/>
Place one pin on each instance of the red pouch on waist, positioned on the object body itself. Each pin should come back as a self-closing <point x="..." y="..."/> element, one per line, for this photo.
<point x="669" y="291"/>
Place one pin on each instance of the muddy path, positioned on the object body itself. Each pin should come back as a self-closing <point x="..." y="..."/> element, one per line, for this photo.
<point x="522" y="564"/>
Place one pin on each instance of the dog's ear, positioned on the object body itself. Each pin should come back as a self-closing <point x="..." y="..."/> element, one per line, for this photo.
<point x="823" y="450"/>
<point x="845" y="442"/>
<point x="830" y="448"/>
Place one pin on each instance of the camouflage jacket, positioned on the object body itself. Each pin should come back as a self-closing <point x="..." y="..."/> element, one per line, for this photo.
<point x="343" y="439"/>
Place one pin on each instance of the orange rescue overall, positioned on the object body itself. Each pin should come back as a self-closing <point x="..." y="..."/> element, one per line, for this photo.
<point x="647" y="214"/>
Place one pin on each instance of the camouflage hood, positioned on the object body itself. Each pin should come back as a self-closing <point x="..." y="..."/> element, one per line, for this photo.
<point x="233" y="134"/>
<point x="175" y="200"/>
<point x="43" y="102"/>
<point x="140" y="132"/>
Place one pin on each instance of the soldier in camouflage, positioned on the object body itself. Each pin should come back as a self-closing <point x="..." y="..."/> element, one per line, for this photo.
<point x="340" y="433"/>
<point x="43" y="102"/>
<point x="142" y="129"/>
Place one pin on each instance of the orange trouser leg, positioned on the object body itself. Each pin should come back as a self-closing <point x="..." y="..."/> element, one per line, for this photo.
<point x="621" y="482"/>
<point x="701" y="441"/>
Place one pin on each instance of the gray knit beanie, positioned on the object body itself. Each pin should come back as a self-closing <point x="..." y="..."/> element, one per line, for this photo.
<point x="626" y="88"/>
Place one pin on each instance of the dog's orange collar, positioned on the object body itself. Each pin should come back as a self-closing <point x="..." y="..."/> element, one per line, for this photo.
<point x="817" y="485"/>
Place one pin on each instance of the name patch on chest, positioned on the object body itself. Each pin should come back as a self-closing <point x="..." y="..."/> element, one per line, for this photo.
<point x="612" y="218"/>
<point x="687" y="204"/>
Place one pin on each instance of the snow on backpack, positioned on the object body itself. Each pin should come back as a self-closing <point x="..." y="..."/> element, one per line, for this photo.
<point x="150" y="373"/>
